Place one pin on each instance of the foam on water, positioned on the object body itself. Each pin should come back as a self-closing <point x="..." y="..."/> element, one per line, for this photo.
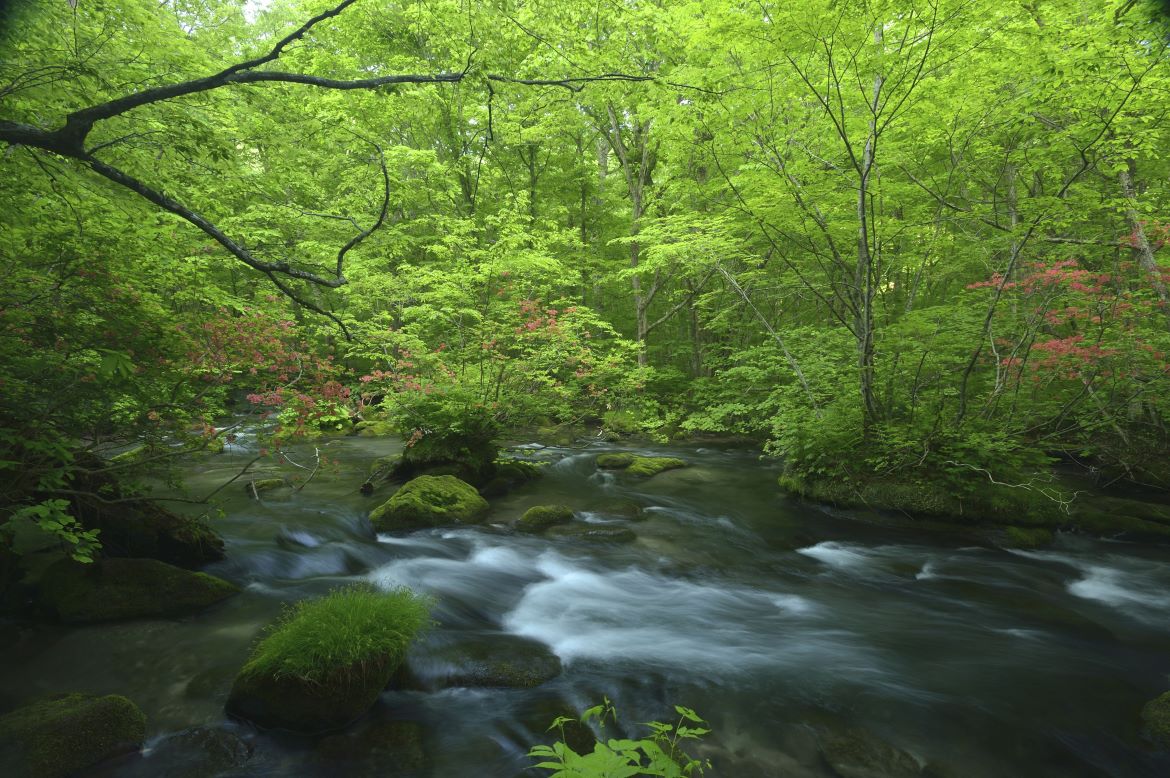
<point x="637" y="616"/>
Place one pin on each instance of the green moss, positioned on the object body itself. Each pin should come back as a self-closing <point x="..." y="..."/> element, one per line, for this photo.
<point x="112" y="589"/>
<point x="325" y="662"/>
<point x="141" y="528"/>
<point x="254" y="488"/>
<point x="648" y="466"/>
<point x="1027" y="537"/>
<point x="374" y="429"/>
<point x="510" y="473"/>
<point x="541" y="517"/>
<point x="388" y="463"/>
<point x="1156" y="721"/>
<point x="61" y="735"/>
<point x="430" y="501"/>
<point x="615" y="461"/>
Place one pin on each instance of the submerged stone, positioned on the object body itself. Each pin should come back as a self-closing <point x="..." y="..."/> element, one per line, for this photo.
<point x="636" y="465"/>
<point x="596" y="533"/>
<point x="614" y="461"/>
<point x="540" y="517"/>
<point x="61" y="735"/>
<point x="254" y="488"/>
<point x="112" y="589"/>
<point x="493" y="661"/>
<point x="857" y="753"/>
<point x="1156" y="721"/>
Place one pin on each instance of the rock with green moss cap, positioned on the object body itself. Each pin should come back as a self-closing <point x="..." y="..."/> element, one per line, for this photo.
<point x="1026" y="537"/>
<point x="255" y="488"/>
<point x="61" y="735"/>
<point x="430" y="501"/>
<point x="540" y="517"/>
<point x="639" y="466"/>
<point x="614" y="461"/>
<point x="1156" y="721"/>
<point x="509" y="475"/>
<point x="113" y="589"/>
<point x="648" y="466"/>
<point x="595" y="533"/>
<point x="324" y="664"/>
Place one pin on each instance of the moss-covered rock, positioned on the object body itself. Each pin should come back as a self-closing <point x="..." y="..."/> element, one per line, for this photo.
<point x="614" y="461"/>
<point x="257" y="487"/>
<point x="374" y="429"/>
<point x="325" y="663"/>
<point x="1026" y="537"/>
<point x="540" y="517"/>
<point x="596" y="533"/>
<point x="990" y="503"/>
<point x="509" y="475"/>
<point x="430" y="501"/>
<point x="60" y="735"/>
<point x="112" y="589"/>
<point x="140" y="528"/>
<point x="648" y="466"/>
<point x="1156" y="721"/>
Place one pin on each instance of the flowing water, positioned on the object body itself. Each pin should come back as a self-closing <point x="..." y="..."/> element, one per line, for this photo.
<point x="780" y="622"/>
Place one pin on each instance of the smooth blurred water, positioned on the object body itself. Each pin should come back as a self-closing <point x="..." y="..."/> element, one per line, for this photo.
<point x="777" y="621"/>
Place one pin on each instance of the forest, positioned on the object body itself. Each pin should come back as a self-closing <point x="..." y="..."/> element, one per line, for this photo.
<point x="414" y="329"/>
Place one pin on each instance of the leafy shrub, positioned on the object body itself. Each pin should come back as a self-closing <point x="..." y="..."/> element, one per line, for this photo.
<point x="659" y="754"/>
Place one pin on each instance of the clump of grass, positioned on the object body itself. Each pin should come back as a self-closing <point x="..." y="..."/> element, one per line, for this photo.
<point x="344" y="634"/>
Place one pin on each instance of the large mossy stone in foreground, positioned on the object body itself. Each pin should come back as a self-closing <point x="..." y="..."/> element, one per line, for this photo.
<point x="324" y="664"/>
<point x="1156" y="721"/>
<point x="430" y="501"/>
<point x="112" y="589"/>
<point x="540" y="517"/>
<point x="60" y="735"/>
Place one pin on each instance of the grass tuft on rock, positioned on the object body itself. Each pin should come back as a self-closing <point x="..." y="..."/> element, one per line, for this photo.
<point x="340" y="634"/>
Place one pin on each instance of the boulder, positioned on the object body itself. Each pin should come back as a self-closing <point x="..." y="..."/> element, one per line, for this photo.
<point x="639" y="466"/>
<point x="540" y="517"/>
<point x="614" y="461"/>
<point x="509" y="475"/>
<point x="112" y="589"/>
<point x="382" y="470"/>
<point x="141" y="528"/>
<point x="1156" y="721"/>
<point x="430" y="501"/>
<point x="61" y="735"/>
<point x="254" y="488"/>
<point x="194" y="753"/>
<point x="324" y="664"/>
<point x="596" y="533"/>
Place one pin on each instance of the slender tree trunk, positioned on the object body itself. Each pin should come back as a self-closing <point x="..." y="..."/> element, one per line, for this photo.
<point x="863" y="277"/>
<point x="1143" y="253"/>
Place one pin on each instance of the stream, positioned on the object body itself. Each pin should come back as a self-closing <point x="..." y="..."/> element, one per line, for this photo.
<point x="777" y="621"/>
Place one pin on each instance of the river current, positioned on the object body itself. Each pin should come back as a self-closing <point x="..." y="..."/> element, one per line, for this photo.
<point x="779" y="622"/>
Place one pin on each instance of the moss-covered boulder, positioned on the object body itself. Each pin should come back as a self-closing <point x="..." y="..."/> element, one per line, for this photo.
<point x="648" y="466"/>
<point x="430" y="501"/>
<point x="324" y="664"/>
<point x="509" y="475"/>
<point x="61" y="735"/>
<point x="260" y="485"/>
<point x="540" y="517"/>
<point x="594" y="533"/>
<point x="639" y="466"/>
<point x="1156" y="721"/>
<point x="614" y="461"/>
<point x="113" y="589"/>
<point x="373" y="429"/>
<point x="1025" y="537"/>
